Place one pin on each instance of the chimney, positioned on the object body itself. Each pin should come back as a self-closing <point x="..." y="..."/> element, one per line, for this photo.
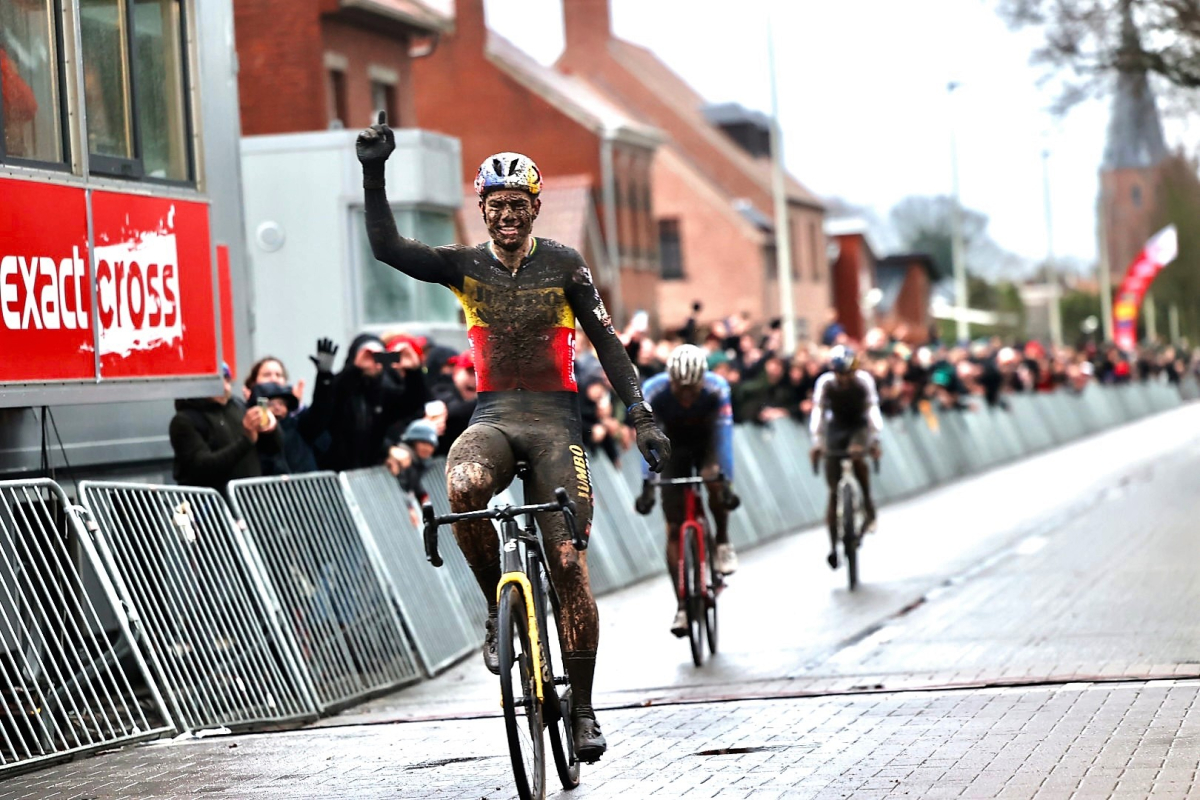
<point x="588" y="25"/>
<point x="470" y="24"/>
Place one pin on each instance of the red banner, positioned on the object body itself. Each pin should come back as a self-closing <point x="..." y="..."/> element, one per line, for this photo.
<point x="152" y="279"/>
<point x="45" y="284"/>
<point x="1161" y="250"/>
<point x="154" y="286"/>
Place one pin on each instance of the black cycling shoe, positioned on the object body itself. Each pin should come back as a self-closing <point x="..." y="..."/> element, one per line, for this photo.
<point x="832" y="559"/>
<point x="589" y="741"/>
<point x="491" y="653"/>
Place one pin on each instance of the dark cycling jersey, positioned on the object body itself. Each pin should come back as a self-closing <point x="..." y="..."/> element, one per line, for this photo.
<point x="706" y="424"/>
<point x="521" y="326"/>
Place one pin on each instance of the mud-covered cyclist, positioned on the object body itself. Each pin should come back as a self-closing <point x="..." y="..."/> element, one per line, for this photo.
<point x="845" y="417"/>
<point x="522" y="297"/>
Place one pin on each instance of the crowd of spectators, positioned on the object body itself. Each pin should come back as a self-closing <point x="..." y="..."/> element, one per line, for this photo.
<point x="400" y="400"/>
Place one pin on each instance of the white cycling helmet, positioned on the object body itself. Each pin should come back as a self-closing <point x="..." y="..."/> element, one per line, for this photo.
<point x="508" y="171"/>
<point x="687" y="364"/>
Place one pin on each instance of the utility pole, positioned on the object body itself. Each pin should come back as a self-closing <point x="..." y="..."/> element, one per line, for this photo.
<point x="783" y="239"/>
<point x="957" y="249"/>
<point x="1106" y="310"/>
<point x="1173" y="323"/>
<point x="1051" y="276"/>
<point x="1151" y="317"/>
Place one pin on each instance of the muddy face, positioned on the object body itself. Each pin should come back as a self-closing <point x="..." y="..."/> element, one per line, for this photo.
<point x="509" y="215"/>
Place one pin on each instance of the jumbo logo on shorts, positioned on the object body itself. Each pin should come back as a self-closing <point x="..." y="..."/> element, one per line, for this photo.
<point x="582" y="478"/>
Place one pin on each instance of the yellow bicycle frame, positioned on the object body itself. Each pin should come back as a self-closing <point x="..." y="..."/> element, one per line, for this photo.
<point x="522" y="580"/>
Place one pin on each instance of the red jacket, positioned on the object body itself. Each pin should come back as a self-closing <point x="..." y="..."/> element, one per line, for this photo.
<point x="19" y="103"/>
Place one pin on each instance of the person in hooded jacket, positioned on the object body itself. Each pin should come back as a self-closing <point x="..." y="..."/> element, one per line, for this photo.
<point x="304" y="429"/>
<point x="368" y="398"/>
<point x="217" y="439"/>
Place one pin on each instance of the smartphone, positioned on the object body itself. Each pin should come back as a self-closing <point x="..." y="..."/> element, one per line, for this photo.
<point x="640" y="321"/>
<point x="263" y="410"/>
<point x="386" y="358"/>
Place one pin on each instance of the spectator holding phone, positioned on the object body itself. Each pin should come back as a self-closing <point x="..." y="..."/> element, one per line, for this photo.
<point x="368" y="398"/>
<point x="217" y="439"/>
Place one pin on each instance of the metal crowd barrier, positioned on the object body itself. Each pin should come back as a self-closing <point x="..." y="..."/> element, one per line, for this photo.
<point x="198" y="605"/>
<point x="71" y="679"/>
<point x="341" y="618"/>
<point x="431" y="608"/>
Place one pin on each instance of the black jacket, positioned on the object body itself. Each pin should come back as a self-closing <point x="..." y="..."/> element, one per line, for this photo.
<point x="363" y="410"/>
<point x="210" y="447"/>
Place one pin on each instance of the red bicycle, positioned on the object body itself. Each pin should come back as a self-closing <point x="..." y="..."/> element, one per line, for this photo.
<point x="697" y="582"/>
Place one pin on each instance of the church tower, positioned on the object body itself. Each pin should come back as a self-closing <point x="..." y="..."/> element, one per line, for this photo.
<point x="1133" y="156"/>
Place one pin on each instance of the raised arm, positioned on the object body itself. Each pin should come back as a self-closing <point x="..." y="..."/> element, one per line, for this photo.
<point x="411" y="257"/>
<point x="597" y="324"/>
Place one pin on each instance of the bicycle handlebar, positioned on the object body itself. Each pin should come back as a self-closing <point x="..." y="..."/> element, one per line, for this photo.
<point x="694" y="480"/>
<point x="843" y="454"/>
<point x="562" y="503"/>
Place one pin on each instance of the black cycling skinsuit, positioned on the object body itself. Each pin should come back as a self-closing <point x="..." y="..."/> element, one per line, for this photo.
<point x="844" y="416"/>
<point x="522" y="331"/>
<point x="702" y="444"/>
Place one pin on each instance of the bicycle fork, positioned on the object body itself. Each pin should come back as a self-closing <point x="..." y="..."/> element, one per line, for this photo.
<point x="515" y="574"/>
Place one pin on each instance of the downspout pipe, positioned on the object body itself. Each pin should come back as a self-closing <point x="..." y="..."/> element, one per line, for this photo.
<point x="612" y="245"/>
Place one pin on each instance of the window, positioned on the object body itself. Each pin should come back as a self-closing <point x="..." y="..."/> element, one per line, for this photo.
<point x="814" y="242"/>
<point x="1136" y="196"/>
<point x="383" y="98"/>
<point x="670" y="249"/>
<point x="389" y="296"/>
<point x="31" y="114"/>
<point x="134" y="88"/>
<point x="338" y="115"/>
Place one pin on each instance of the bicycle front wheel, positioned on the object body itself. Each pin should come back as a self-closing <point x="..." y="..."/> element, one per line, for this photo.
<point x="518" y="693"/>
<point x="693" y="593"/>
<point x="710" y="596"/>
<point x="849" y="536"/>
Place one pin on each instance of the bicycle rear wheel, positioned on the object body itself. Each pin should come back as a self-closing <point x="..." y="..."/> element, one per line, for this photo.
<point x="849" y="536"/>
<point x="710" y="596"/>
<point x="556" y="706"/>
<point x="693" y="594"/>
<point x="518" y="693"/>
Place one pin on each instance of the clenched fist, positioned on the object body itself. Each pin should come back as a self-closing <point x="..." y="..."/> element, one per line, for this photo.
<point x="373" y="147"/>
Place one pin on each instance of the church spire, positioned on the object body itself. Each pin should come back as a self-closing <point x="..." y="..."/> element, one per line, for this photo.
<point x="1135" y="137"/>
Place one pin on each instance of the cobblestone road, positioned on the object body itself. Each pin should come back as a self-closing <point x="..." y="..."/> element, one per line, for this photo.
<point x="1073" y="574"/>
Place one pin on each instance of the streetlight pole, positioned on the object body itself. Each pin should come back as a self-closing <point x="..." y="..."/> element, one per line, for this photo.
<point x="1105" y="275"/>
<point x="783" y="239"/>
<point x="957" y="249"/>
<point x="1052" y="298"/>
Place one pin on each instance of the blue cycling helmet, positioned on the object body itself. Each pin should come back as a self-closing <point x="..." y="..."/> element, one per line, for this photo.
<point x="843" y="359"/>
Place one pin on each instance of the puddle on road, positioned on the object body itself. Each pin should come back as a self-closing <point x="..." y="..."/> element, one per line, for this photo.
<point x="442" y="762"/>
<point x="737" y="751"/>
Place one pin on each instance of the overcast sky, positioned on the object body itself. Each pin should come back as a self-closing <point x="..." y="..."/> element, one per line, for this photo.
<point x="863" y="100"/>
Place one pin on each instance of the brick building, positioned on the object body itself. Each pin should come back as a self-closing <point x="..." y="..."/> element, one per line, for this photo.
<point x="870" y="290"/>
<point x="712" y="184"/>
<point x="595" y="159"/>
<point x="309" y="65"/>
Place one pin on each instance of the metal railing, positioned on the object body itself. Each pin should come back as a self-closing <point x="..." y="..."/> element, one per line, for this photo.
<point x="321" y="566"/>
<point x="72" y="681"/>
<point x="199" y="606"/>
<point x="429" y="603"/>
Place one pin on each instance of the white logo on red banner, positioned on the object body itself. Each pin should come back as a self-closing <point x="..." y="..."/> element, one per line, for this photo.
<point x="137" y="291"/>
<point x="38" y="293"/>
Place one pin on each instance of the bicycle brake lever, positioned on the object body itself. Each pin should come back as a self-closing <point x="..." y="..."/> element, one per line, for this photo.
<point x="431" y="535"/>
